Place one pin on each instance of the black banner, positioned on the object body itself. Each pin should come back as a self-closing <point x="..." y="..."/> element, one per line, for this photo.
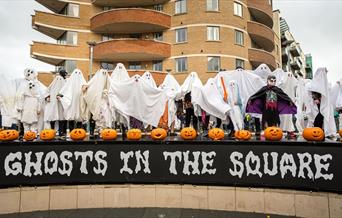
<point x="294" y="165"/>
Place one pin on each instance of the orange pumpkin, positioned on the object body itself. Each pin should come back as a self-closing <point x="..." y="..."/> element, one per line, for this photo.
<point x="47" y="134"/>
<point x="313" y="134"/>
<point x="30" y="136"/>
<point x="340" y="133"/>
<point x="158" y="134"/>
<point x="243" y="135"/>
<point x="109" y="134"/>
<point x="216" y="134"/>
<point x="188" y="133"/>
<point x="134" y="134"/>
<point x="9" y="135"/>
<point x="78" y="134"/>
<point x="273" y="133"/>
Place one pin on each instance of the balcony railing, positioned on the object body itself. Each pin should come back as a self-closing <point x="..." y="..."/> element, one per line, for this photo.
<point x="262" y="35"/>
<point x="258" y="56"/>
<point x="131" y="50"/>
<point x="262" y="11"/>
<point x="128" y="3"/>
<point x="130" y="20"/>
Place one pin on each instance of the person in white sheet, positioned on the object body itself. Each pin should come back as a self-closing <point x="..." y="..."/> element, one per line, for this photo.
<point x="53" y="109"/>
<point x="95" y="96"/>
<point x="190" y="93"/>
<point x="172" y="89"/>
<point x="28" y="104"/>
<point x="147" y="76"/>
<point x="70" y="97"/>
<point x="262" y="71"/>
<point x="288" y="83"/>
<point x="119" y="74"/>
<point x="8" y="89"/>
<point x="336" y="99"/>
<point x="320" y="108"/>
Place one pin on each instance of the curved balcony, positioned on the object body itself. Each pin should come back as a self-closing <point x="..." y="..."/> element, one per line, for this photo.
<point x="53" y="5"/>
<point x="130" y="20"/>
<point x="131" y="49"/>
<point x="262" y="11"/>
<point x="54" y="53"/>
<point x="128" y="3"/>
<point x="262" y="35"/>
<point x="257" y="57"/>
<point x="54" y="25"/>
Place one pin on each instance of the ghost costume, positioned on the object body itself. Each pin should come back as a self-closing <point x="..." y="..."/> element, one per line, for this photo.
<point x="136" y="98"/>
<point x="172" y="89"/>
<point x="193" y="84"/>
<point x="147" y="76"/>
<point x="29" y="105"/>
<point x="319" y="84"/>
<point x="119" y="74"/>
<point x="8" y="89"/>
<point x="288" y="83"/>
<point x="70" y="96"/>
<point x="53" y="108"/>
<point x="97" y="100"/>
<point x="301" y="95"/>
<point x="336" y="99"/>
<point x="263" y="71"/>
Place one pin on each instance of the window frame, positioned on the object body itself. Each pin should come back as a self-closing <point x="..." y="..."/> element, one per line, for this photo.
<point x="211" y="68"/>
<point x="185" y="59"/>
<point x="213" y="37"/>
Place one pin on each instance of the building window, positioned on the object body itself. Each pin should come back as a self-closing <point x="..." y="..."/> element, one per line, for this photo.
<point x="213" y="64"/>
<point x="67" y="65"/>
<point x="238" y="9"/>
<point x="72" y="10"/>
<point x="213" y="33"/>
<point x="107" y="66"/>
<point x="181" y="35"/>
<point x="106" y="38"/>
<point x="134" y="65"/>
<point x="212" y="5"/>
<point x="68" y="38"/>
<point x="158" y="7"/>
<point x="239" y="37"/>
<point x="157" y="66"/>
<point x="181" y="64"/>
<point x="180" y="6"/>
<point x="158" y="36"/>
<point x="240" y="63"/>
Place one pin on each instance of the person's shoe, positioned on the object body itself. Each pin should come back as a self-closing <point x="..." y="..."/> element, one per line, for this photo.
<point x="291" y="135"/>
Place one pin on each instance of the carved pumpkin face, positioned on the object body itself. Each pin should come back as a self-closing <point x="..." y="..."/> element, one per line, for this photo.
<point x="243" y="135"/>
<point x="9" y="135"/>
<point x="158" y="134"/>
<point x="216" y="134"/>
<point x="273" y="133"/>
<point x="188" y="133"/>
<point x="78" y="134"/>
<point x="313" y="134"/>
<point x="134" y="134"/>
<point x="109" y="134"/>
<point x="30" y="136"/>
<point x="47" y="134"/>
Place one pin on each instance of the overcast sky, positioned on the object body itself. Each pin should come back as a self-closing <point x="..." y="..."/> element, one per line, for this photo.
<point x="313" y="23"/>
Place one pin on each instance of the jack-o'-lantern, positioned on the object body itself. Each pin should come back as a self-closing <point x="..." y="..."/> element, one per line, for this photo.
<point x="78" y="134"/>
<point x="313" y="134"/>
<point x="158" y="134"/>
<point x="243" y="135"/>
<point x="9" y="135"/>
<point x="188" y="133"/>
<point x="47" y="134"/>
<point x="134" y="134"/>
<point x="216" y="134"/>
<point x="273" y="133"/>
<point x="108" y="134"/>
<point x="30" y="136"/>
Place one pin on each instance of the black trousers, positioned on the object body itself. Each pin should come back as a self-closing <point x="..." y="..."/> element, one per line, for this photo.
<point x="189" y="113"/>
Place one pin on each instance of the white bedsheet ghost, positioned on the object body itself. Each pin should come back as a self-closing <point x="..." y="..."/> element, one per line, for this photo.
<point x="192" y="84"/>
<point x="136" y="98"/>
<point x="72" y="92"/>
<point x="53" y="108"/>
<point x="320" y="84"/>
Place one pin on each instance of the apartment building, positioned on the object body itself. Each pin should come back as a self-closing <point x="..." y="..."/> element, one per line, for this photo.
<point x="175" y="36"/>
